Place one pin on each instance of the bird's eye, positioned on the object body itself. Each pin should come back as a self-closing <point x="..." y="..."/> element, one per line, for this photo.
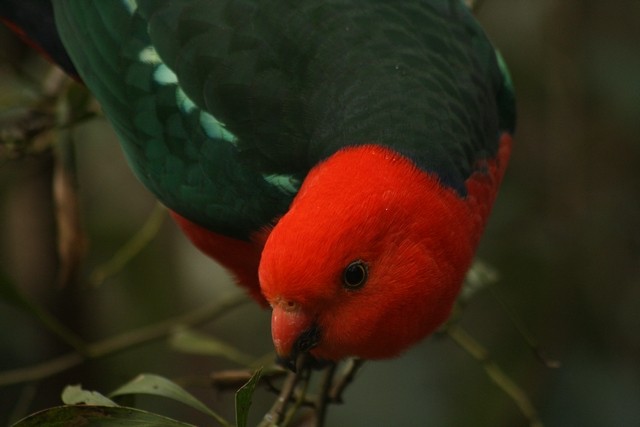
<point x="355" y="275"/>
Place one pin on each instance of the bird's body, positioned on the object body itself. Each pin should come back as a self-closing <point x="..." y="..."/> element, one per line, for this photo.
<point x="304" y="144"/>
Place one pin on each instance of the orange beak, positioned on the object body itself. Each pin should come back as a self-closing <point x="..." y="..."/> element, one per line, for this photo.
<point x="293" y="332"/>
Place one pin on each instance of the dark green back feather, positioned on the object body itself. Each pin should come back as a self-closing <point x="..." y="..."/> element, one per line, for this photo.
<point x="198" y="174"/>
<point x="224" y="105"/>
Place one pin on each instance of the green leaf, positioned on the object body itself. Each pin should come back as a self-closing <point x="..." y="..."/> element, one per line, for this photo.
<point x="97" y="416"/>
<point x="159" y="386"/>
<point x="192" y="342"/>
<point x="244" y="397"/>
<point x="75" y="394"/>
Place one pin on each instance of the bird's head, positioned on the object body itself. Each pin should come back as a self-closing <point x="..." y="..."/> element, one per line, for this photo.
<point x="368" y="260"/>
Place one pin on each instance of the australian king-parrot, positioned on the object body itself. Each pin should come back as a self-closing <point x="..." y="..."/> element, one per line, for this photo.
<point x="339" y="157"/>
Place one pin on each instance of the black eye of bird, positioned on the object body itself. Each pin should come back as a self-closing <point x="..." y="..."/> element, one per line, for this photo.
<point x="355" y="275"/>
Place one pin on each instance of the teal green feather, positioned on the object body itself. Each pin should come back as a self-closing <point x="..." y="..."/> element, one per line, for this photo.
<point x="223" y="106"/>
<point x="506" y="97"/>
<point x="178" y="150"/>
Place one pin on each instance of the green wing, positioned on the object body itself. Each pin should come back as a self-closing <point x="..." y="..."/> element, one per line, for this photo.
<point x="181" y="152"/>
<point x="223" y="106"/>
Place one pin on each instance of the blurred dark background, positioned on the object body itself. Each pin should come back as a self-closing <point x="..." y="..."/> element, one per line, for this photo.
<point x="564" y="236"/>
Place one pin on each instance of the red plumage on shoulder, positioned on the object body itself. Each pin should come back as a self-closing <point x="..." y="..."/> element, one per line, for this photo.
<point x="240" y="257"/>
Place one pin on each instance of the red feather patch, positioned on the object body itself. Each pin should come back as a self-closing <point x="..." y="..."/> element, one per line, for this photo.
<point x="417" y="236"/>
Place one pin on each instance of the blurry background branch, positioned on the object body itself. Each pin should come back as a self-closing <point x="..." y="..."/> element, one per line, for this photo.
<point x="474" y="5"/>
<point x="122" y="342"/>
<point x="28" y="127"/>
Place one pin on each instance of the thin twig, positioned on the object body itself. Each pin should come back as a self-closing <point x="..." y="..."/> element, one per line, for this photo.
<point x="29" y="132"/>
<point x="131" y="248"/>
<point x="40" y="371"/>
<point x="300" y="396"/>
<point x="347" y="377"/>
<point x="497" y="375"/>
<point x="54" y="326"/>
<point x="524" y="332"/>
<point x="71" y="239"/>
<point x="323" y="399"/>
<point x="120" y="342"/>
<point x="278" y="411"/>
<point x="275" y="414"/>
<point x="233" y="379"/>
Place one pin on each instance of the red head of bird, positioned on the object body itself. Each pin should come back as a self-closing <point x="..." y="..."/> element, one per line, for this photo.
<point x="368" y="260"/>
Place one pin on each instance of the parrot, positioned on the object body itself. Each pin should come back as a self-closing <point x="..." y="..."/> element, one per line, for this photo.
<point x="340" y="158"/>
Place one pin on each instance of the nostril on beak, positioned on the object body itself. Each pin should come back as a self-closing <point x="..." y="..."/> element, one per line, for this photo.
<point x="285" y="305"/>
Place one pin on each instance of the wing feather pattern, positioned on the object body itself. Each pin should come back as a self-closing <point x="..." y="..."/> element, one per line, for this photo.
<point x="224" y="105"/>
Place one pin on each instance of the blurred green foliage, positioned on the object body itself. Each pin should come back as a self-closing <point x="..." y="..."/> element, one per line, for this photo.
<point x="564" y="235"/>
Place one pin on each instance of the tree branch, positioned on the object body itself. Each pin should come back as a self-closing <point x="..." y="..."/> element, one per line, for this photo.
<point x="121" y="342"/>
<point x="497" y="375"/>
<point x="131" y="248"/>
<point x="276" y="413"/>
<point x="474" y="5"/>
<point x="324" y="398"/>
<point x="346" y="379"/>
